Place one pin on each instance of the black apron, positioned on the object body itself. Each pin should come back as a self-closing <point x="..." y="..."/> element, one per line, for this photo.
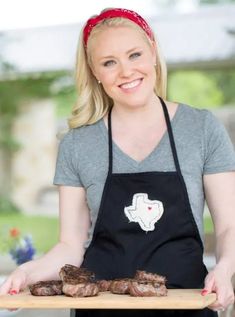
<point x="145" y="222"/>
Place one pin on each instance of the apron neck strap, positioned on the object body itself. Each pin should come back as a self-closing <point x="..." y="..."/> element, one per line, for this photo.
<point x="110" y="142"/>
<point x="170" y="133"/>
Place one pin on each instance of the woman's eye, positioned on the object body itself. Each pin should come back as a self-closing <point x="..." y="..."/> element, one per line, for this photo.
<point x="109" y="63"/>
<point x="134" y="55"/>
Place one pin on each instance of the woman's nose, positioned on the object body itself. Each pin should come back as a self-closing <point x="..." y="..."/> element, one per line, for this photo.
<point x="125" y="69"/>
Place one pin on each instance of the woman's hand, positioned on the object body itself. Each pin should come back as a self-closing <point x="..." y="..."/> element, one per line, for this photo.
<point x="220" y="196"/>
<point x="16" y="281"/>
<point x="219" y="281"/>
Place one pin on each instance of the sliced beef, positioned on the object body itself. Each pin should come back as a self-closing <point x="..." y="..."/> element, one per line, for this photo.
<point x="46" y="288"/>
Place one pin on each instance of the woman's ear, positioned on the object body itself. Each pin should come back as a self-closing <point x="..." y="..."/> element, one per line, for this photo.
<point x="154" y="51"/>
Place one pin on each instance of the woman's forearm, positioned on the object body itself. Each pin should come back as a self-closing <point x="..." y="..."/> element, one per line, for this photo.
<point x="225" y="255"/>
<point x="220" y="195"/>
<point x="47" y="267"/>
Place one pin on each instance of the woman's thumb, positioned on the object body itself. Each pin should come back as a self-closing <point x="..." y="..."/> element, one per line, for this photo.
<point x="208" y="286"/>
<point x="16" y="286"/>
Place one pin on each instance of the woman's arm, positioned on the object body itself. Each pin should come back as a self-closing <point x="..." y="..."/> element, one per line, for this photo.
<point x="220" y="197"/>
<point x="74" y="225"/>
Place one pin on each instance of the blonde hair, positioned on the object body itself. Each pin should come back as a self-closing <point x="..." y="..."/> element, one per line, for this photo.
<point x="93" y="102"/>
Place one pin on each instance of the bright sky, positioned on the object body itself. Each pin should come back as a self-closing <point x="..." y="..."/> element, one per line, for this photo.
<point x="16" y="14"/>
<point x="31" y="13"/>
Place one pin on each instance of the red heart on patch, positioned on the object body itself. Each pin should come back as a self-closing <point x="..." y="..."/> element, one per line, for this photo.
<point x="149" y="208"/>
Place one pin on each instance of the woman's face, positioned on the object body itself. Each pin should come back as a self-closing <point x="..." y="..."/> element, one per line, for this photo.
<point x="124" y="63"/>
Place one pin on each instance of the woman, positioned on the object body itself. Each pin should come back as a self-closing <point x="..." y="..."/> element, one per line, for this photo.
<point x="131" y="167"/>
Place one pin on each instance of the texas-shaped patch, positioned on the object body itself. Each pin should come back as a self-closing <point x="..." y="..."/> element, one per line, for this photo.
<point x="144" y="211"/>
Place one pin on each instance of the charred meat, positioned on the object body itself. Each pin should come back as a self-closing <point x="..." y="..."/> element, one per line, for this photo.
<point x="46" y="288"/>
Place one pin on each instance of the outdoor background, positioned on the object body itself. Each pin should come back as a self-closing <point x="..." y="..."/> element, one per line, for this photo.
<point x="38" y="42"/>
<point x="37" y="91"/>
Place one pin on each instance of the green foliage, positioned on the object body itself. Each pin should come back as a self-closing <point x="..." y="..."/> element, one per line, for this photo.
<point x="44" y="230"/>
<point x="194" y="88"/>
<point x="8" y="241"/>
<point x="65" y="101"/>
<point x="208" y="225"/>
<point x="208" y="89"/>
<point x="13" y="93"/>
<point x="7" y="206"/>
<point x="225" y="81"/>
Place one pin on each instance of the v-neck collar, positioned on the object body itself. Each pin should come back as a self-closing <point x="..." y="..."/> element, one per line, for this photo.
<point x="128" y="159"/>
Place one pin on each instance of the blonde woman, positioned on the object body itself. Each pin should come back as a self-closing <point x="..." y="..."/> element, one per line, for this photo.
<point x="134" y="171"/>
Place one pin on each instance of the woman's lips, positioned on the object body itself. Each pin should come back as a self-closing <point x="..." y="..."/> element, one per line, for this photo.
<point x="131" y="86"/>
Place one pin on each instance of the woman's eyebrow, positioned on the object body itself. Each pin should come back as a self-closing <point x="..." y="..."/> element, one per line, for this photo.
<point x="132" y="49"/>
<point x="127" y="52"/>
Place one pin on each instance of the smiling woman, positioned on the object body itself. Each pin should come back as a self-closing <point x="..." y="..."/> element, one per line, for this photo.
<point x="106" y="61"/>
<point x="134" y="171"/>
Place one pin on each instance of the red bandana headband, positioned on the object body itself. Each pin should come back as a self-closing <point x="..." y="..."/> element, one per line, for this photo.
<point x="116" y="13"/>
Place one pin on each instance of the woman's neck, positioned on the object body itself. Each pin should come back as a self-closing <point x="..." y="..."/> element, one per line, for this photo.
<point x="132" y="116"/>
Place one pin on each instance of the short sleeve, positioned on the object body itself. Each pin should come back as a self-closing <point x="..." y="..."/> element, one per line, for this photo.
<point x="219" y="155"/>
<point x="66" y="171"/>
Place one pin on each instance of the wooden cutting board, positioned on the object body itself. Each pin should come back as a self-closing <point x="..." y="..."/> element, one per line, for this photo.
<point x="176" y="299"/>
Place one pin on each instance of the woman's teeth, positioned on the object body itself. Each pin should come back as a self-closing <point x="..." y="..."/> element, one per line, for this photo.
<point x="131" y="84"/>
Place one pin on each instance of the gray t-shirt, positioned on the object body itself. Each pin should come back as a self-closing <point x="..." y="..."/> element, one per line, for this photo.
<point x="202" y="143"/>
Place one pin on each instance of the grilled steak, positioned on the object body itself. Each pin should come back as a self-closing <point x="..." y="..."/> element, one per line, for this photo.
<point x="46" y="288"/>
<point x="78" y="282"/>
<point x="72" y="274"/>
<point x="81" y="289"/>
<point x="147" y="284"/>
<point x="120" y="286"/>
<point x="150" y="277"/>
<point x="146" y="289"/>
<point x="104" y="285"/>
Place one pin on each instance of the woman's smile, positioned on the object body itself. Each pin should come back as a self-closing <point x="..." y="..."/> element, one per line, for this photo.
<point x="132" y="86"/>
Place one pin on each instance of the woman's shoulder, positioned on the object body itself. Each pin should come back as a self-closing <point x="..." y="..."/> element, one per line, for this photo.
<point x="81" y="134"/>
<point x="191" y="110"/>
<point x="194" y="115"/>
<point x="195" y="121"/>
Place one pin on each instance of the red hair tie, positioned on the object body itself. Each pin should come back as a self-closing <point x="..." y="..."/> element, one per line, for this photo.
<point x="116" y="13"/>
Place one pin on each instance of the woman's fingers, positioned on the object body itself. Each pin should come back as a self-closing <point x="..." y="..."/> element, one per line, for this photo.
<point x="5" y="287"/>
<point x="16" y="285"/>
<point x="209" y="283"/>
<point x="223" y="289"/>
<point x="11" y="286"/>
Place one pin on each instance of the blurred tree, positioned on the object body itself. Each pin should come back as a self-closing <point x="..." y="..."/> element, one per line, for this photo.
<point x="7" y="113"/>
<point x="194" y="88"/>
<point x="225" y="81"/>
<point x="202" y="89"/>
<point x="14" y="92"/>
